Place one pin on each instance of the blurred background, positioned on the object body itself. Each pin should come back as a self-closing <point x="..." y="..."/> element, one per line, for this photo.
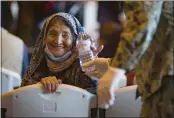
<point x="100" y="18"/>
<point x="24" y="19"/>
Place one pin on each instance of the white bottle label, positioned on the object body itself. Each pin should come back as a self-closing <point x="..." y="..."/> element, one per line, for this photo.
<point x="83" y="46"/>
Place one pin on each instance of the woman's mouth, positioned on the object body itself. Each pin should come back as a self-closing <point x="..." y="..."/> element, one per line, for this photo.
<point x="57" y="46"/>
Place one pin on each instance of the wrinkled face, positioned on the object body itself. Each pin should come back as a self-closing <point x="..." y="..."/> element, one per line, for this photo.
<point x="59" y="38"/>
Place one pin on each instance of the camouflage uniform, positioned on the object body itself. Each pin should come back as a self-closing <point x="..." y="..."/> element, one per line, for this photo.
<point x="147" y="46"/>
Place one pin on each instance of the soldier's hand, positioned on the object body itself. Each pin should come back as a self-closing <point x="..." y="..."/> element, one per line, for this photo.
<point x="112" y="80"/>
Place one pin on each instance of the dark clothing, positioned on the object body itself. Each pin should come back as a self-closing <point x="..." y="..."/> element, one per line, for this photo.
<point x="72" y="76"/>
<point x="25" y="60"/>
<point x="161" y="103"/>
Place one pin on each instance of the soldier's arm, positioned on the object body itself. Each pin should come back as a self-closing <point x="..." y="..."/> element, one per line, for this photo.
<point x="142" y="20"/>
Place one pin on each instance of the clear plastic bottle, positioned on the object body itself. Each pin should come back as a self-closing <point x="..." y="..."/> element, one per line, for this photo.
<point x="85" y="52"/>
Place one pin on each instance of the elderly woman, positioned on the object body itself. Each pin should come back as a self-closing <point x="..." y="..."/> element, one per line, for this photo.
<point x="55" y="58"/>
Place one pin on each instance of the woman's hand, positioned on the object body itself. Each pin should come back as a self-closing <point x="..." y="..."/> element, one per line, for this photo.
<point x="96" y="51"/>
<point x="51" y="83"/>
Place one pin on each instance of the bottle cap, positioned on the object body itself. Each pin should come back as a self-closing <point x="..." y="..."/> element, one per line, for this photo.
<point x="81" y="29"/>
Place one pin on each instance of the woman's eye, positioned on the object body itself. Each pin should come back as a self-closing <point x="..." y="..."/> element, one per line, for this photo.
<point x="65" y="36"/>
<point x="52" y="34"/>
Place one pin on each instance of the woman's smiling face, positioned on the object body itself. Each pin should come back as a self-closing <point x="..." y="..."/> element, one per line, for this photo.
<point x="59" y="38"/>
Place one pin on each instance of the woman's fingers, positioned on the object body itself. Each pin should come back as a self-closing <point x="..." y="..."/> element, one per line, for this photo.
<point x="56" y="84"/>
<point x="48" y="82"/>
<point x="99" y="49"/>
<point x="96" y="51"/>
<point x="44" y="83"/>
<point x="51" y="83"/>
<point x="59" y="81"/>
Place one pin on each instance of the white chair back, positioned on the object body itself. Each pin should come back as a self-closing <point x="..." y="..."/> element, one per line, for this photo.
<point x="125" y="105"/>
<point x="67" y="101"/>
<point x="9" y="80"/>
<point x="32" y="101"/>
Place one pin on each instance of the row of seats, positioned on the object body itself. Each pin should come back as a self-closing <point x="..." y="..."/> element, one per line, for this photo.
<point x="67" y="101"/>
<point x="9" y="79"/>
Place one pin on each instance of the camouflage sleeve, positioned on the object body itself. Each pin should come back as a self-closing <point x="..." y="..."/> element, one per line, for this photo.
<point x="142" y="20"/>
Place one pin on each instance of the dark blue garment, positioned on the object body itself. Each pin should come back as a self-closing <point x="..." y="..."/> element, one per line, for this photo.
<point x="94" y="83"/>
<point x="25" y="60"/>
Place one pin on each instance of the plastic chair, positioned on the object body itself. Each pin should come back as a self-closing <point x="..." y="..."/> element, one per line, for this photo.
<point x="67" y="101"/>
<point x="10" y="80"/>
<point x="33" y="101"/>
<point x="125" y="105"/>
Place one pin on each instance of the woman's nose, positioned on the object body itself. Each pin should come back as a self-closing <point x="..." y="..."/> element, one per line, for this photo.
<point x="59" y="39"/>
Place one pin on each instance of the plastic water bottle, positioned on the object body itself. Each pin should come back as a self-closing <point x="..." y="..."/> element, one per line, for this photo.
<point x="85" y="52"/>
